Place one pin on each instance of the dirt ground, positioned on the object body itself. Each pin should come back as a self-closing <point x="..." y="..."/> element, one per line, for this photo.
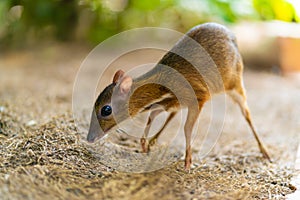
<point x="42" y="155"/>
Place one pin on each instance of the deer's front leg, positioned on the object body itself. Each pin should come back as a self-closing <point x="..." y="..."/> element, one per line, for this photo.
<point x="144" y="143"/>
<point x="192" y="116"/>
<point x="155" y="137"/>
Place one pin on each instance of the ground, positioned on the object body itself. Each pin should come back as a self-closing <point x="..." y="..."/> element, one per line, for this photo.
<point x="43" y="156"/>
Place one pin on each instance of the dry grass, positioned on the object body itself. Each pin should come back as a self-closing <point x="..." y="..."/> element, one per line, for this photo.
<point x="50" y="161"/>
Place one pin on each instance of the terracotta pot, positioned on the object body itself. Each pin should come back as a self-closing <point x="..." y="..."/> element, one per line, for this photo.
<point x="289" y="54"/>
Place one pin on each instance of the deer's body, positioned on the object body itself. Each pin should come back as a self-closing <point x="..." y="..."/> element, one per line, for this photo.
<point x="204" y="62"/>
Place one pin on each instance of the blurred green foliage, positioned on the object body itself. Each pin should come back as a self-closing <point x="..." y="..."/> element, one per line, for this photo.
<point x="110" y="19"/>
<point x="38" y="18"/>
<point x="276" y="9"/>
<point x="96" y="20"/>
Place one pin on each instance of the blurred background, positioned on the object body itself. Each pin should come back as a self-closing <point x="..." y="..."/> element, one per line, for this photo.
<point x="95" y="20"/>
<point x="264" y="28"/>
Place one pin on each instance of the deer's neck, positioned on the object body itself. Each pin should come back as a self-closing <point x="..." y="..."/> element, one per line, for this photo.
<point x="147" y="91"/>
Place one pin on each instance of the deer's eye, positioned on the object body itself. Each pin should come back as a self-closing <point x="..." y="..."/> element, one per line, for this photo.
<point x="106" y="110"/>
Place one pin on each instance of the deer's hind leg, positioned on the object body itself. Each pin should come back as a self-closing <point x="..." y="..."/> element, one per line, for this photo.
<point x="238" y="95"/>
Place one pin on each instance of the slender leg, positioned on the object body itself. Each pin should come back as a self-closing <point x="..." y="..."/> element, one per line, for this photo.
<point x="188" y="129"/>
<point x="238" y="95"/>
<point x="154" y="138"/>
<point x="143" y="141"/>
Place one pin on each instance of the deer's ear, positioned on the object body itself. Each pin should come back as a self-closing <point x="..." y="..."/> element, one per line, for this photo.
<point x="118" y="75"/>
<point x="125" y="85"/>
